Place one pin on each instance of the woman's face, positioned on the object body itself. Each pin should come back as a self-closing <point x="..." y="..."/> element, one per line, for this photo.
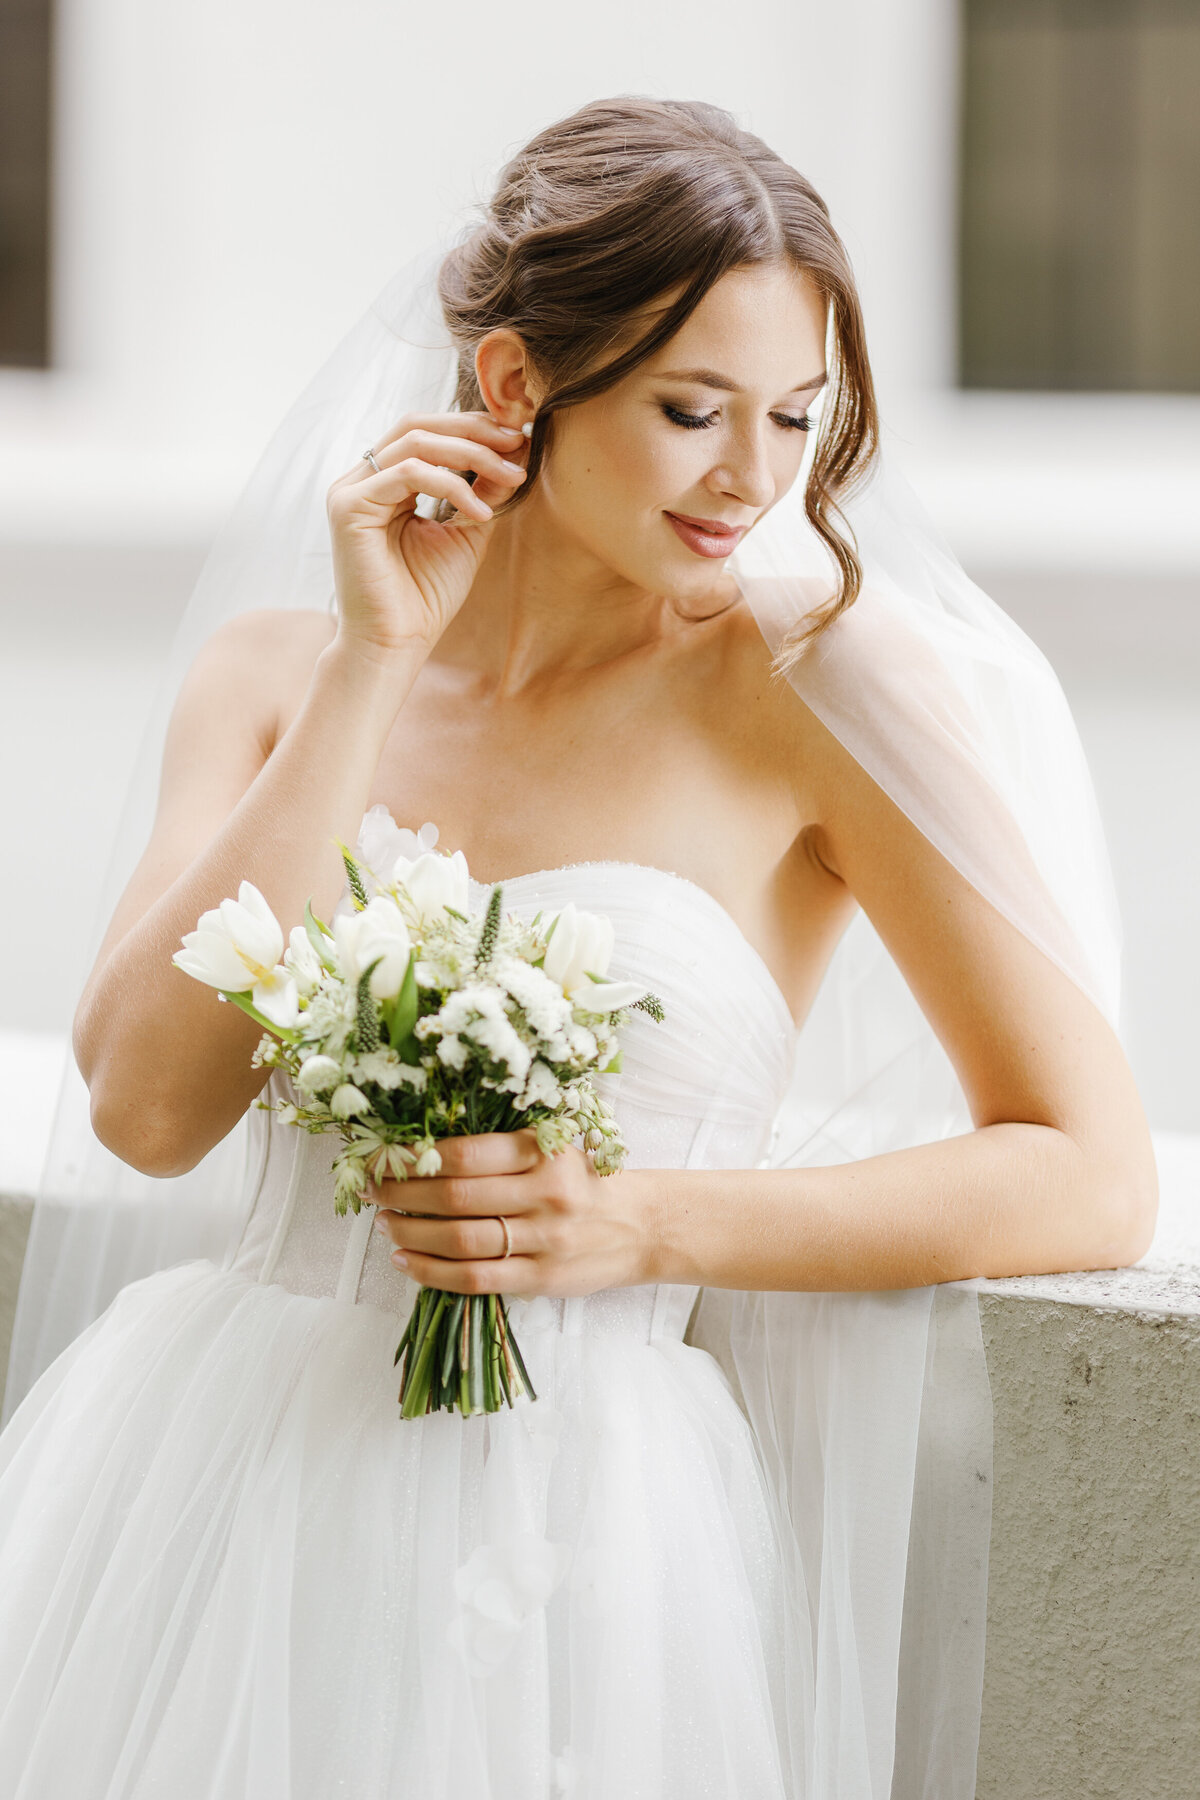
<point x="660" y="476"/>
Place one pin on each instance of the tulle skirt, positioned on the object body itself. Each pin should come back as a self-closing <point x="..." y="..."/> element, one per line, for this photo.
<point x="228" y="1570"/>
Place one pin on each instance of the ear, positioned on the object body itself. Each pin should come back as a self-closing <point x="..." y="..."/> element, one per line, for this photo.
<point x="506" y="377"/>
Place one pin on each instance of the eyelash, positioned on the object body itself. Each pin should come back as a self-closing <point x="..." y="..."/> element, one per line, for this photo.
<point x="696" y="421"/>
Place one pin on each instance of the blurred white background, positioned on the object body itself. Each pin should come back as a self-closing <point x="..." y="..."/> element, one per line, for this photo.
<point x="233" y="183"/>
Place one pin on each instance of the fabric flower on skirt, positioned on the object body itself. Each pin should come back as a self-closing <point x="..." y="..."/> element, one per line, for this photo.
<point x="499" y="1588"/>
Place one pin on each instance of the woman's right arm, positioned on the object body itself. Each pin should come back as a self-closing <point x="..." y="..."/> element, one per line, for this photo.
<point x="167" y="1065"/>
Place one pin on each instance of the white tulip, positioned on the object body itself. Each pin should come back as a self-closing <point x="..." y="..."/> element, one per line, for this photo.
<point x="376" y="932"/>
<point x="317" y="1074"/>
<point x="433" y="882"/>
<point x="302" y="962"/>
<point x="236" y="947"/>
<point x="277" y="999"/>
<point x="577" y="957"/>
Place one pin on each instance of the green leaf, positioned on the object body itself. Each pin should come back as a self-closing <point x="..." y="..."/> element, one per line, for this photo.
<point x="400" y="1015"/>
<point x="614" y="1066"/>
<point x="319" y="935"/>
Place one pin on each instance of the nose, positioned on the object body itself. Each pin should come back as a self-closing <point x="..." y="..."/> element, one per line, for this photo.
<point x="744" y="472"/>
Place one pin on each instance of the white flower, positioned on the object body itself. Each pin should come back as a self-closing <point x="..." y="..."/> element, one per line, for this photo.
<point x="497" y="1036"/>
<point x="433" y="882"/>
<point x="318" y="1074"/>
<point x="302" y="962"/>
<point x="577" y="957"/>
<point x="381" y="840"/>
<point x="429" y="1162"/>
<point x="499" y="1587"/>
<point x="380" y="1066"/>
<point x="452" y="1051"/>
<point x="347" y="1100"/>
<point x="276" y="998"/>
<point x="236" y="945"/>
<point x="536" y="994"/>
<point x="376" y="932"/>
<point x="541" y="1087"/>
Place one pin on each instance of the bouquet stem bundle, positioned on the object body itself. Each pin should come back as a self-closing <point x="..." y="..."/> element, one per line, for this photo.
<point x="460" y="1355"/>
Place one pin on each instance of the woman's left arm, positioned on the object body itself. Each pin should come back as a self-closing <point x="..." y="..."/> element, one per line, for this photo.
<point x="1058" y="1174"/>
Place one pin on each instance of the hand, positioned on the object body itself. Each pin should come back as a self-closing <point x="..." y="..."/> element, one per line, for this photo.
<point x="400" y="579"/>
<point x="572" y="1231"/>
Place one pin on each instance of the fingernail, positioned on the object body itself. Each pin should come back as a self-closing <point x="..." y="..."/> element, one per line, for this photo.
<point x="512" y="430"/>
<point x="513" y="468"/>
<point x="400" y="1260"/>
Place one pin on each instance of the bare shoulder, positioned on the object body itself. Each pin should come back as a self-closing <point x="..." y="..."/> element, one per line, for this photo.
<point x="775" y="726"/>
<point x="263" y="661"/>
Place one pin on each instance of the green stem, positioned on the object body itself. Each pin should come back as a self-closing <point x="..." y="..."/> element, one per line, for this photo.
<point x="416" y="1398"/>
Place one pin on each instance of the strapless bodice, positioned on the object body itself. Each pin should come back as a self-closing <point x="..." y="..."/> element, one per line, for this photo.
<point x="698" y="1089"/>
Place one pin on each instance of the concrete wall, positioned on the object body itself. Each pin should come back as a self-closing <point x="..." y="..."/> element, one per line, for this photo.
<point x="1092" y="1672"/>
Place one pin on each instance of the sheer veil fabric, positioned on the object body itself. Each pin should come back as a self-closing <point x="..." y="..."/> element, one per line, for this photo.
<point x="871" y="1411"/>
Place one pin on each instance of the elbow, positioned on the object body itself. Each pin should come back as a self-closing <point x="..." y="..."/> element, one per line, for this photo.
<point x="1130" y="1193"/>
<point x="138" y="1136"/>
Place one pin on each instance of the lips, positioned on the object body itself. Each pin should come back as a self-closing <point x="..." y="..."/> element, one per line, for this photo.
<point x="707" y="537"/>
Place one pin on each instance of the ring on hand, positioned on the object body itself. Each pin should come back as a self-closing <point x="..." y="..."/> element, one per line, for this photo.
<point x="503" y="1224"/>
<point x="369" y="456"/>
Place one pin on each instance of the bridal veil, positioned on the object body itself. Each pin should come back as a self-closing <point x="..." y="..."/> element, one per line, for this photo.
<point x="871" y="1410"/>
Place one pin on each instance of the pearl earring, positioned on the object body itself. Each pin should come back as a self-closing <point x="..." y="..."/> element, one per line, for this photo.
<point x="527" y="428"/>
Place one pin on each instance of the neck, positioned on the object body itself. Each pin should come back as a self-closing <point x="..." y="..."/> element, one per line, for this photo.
<point x="542" y="606"/>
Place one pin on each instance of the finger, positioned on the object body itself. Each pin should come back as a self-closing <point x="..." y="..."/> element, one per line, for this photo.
<point x="455" y="1240"/>
<point x="494" y="1275"/>
<point x="453" y="452"/>
<point x="394" y="486"/>
<point x="487" y="1153"/>
<point x="459" y="1196"/>
<point x="478" y="425"/>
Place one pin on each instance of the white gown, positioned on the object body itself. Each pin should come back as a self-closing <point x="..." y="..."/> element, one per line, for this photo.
<point x="229" y="1571"/>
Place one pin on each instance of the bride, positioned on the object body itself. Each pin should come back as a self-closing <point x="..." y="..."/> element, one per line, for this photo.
<point x="691" y="1566"/>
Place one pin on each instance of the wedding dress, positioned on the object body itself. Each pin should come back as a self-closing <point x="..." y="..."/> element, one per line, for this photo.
<point x="228" y="1568"/>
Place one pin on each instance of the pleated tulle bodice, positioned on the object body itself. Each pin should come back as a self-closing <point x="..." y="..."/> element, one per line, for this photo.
<point x="698" y="1089"/>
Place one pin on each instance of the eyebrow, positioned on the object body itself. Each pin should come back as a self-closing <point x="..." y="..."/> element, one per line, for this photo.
<point x="713" y="379"/>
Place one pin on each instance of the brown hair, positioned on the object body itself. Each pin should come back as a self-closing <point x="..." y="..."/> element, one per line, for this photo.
<point x="608" y="209"/>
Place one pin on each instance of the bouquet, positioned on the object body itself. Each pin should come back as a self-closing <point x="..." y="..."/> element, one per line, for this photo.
<point x="412" y="1018"/>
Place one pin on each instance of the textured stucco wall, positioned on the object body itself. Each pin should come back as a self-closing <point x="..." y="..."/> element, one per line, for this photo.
<point x="1092" y="1677"/>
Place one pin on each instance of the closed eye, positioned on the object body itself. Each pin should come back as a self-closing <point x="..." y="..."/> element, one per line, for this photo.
<point x="697" y="421"/>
